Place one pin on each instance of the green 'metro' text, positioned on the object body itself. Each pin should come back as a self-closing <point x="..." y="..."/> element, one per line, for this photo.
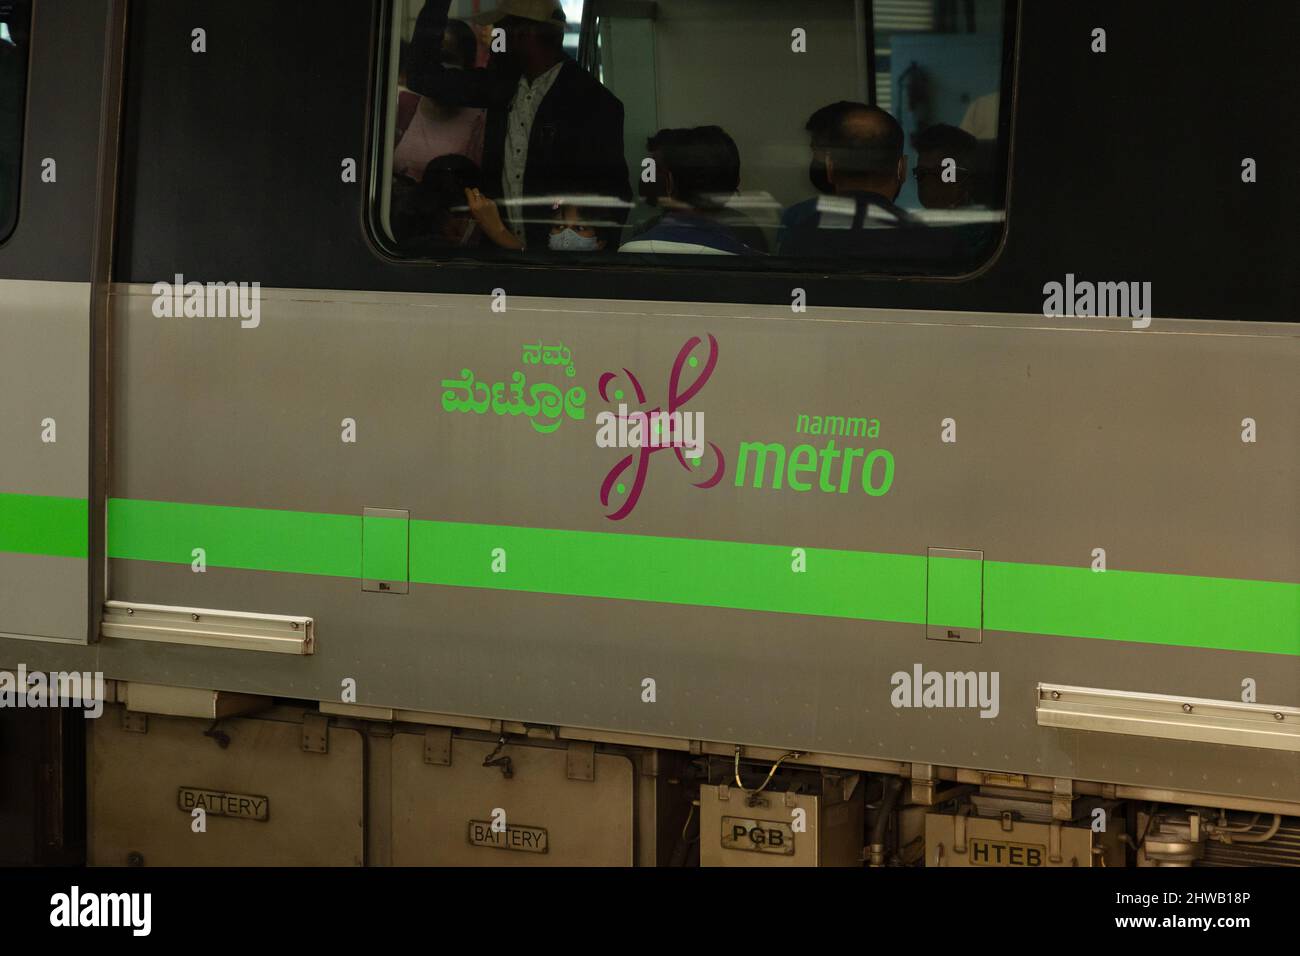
<point x="829" y="468"/>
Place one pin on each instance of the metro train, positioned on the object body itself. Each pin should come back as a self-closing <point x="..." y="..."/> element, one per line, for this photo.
<point x="966" y="538"/>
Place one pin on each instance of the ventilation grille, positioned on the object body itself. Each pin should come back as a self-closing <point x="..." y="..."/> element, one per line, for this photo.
<point x="1282" y="850"/>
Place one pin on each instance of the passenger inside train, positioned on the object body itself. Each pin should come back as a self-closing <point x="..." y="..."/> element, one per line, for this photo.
<point x="945" y="166"/>
<point x="577" y="230"/>
<point x="549" y="123"/>
<point x="430" y="129"/>
<point x="820" y="128"/>
<point x="864" y="166"/>
<point x="695" y="174"/>
<point x="433" y="215"/>
<point x="641" y="130"/>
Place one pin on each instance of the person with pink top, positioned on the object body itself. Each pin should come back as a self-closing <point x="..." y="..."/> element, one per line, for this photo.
<point x="437" y="130"/>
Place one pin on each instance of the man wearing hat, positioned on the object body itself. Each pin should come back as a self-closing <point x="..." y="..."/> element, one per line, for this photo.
<point x="552" y="128"/>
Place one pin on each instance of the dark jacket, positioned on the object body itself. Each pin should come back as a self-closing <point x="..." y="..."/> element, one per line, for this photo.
<point x="576" y="144"/>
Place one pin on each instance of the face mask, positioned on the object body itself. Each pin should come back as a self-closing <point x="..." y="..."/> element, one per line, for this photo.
<point x="569" y="241"/>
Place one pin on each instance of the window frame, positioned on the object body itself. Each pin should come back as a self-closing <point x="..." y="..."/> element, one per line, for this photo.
<point x="8" y="229"/>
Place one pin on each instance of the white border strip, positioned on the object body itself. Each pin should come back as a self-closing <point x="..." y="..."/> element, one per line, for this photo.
<point x="1172" y="718"/>
<point x="203" y="627"/>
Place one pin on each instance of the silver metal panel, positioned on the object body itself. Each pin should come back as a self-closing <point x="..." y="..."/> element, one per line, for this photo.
<point x="1072" y="435"/>
<point x="44" y="374"/>
<point x="47" y="654"/>
<point x="42" y="596"/>
<point x="1020" y="386"/>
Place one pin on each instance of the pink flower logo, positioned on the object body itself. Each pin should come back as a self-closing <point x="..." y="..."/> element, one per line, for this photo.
<point x="677" y="400"/>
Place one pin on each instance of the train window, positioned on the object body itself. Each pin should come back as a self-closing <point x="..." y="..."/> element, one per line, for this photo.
<point x="830" y="135"/>
<point x="15" y="20"/>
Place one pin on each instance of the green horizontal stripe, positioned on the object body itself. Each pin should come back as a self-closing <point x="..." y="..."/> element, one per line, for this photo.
<point x="256" y="539"/>
<point x="1144" y="607"/>
<point x="1175" y="609"/>
<point x="754" y="577"/>
<point x="41" y="524"/>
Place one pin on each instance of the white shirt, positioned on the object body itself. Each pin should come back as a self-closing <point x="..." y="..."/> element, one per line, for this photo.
<point x="519" y="128"/>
